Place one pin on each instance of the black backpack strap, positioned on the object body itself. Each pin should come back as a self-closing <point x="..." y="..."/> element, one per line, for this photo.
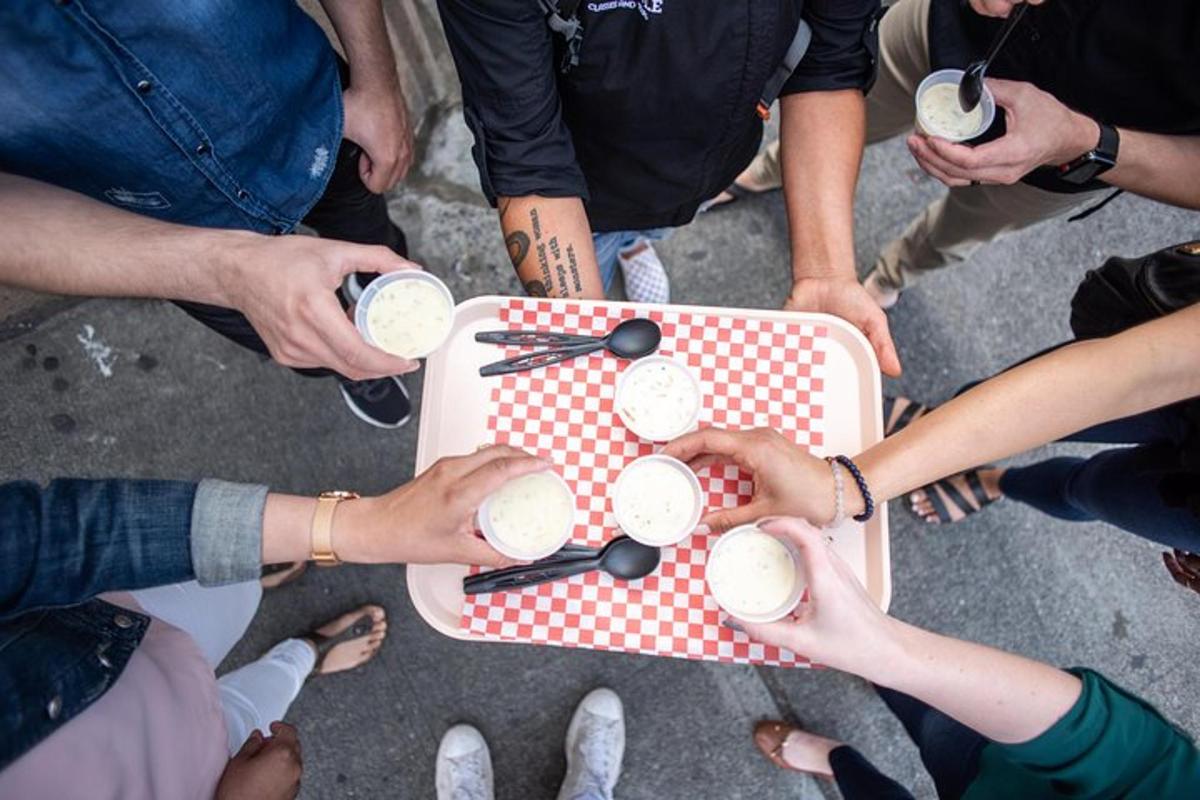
<point x="1087" y="212"/>
<point x="563" y="18"/>
<point x="791" y="60"/>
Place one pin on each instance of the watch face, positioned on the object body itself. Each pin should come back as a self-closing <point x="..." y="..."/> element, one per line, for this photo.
<point x="1087" y="167"/>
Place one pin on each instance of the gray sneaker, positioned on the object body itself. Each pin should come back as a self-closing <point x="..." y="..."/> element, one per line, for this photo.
<point x="464" y="766"/>
<point x="595" y="747"/>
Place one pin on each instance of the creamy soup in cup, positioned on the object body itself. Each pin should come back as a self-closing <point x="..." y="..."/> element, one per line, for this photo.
<point x="529" y="517"/>
<point x="658" y="398"/>
<point x="407" y="313"/>
<point x="657" y="500"/>
<point x="754" y="575"/>
<point x="939" y="113"/>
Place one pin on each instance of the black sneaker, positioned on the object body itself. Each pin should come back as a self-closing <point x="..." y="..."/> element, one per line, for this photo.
<point x="382" y="402"/>
<point x="356" y="282"/>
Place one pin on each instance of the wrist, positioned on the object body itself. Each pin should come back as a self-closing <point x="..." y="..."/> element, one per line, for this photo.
<point x="353" y="540"/>
<point x="230" y="256"/>
<point x="373" y="82"/>
<point x="1084" y="136"/>
<point x="859" y="503"/>
<point x="855" y="503"/>
<point x="899" y="655"/>
<point x="878" y="653"/>
<point x="820" y="273"/>
<point x="827" y="510"/>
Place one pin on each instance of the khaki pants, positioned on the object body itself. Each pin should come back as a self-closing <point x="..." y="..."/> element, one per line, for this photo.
<point x="948" y="230"/>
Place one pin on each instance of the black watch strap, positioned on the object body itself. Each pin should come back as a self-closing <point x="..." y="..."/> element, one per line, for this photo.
<point x="1095" y="162"/>
<point x="1110" y="142"/>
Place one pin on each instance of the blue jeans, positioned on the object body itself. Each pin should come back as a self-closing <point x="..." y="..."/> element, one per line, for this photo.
<point x="949" y="750"/>
<point x="608" y="245"/>
<point x="1118" y="486"/>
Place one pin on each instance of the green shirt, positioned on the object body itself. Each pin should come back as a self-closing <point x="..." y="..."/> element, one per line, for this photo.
<point x="1111" y="744"/>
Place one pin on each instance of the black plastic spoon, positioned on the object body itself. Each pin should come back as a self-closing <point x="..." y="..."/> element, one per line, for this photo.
<point x="622" y="558"/>
<point x="970" y="90"/>
<point x="633" y="338"/>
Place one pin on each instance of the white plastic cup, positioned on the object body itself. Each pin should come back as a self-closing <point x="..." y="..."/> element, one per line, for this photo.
<point x="953" y="76"/>
<point x="387" y="279"/>
<point x="691" y="423"/>
<point x="484" y="521"/>
<point x="731" y="539"/>
<point x="667" y="538"/>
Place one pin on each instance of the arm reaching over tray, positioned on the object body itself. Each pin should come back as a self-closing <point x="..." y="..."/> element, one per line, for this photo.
<point x="1003" y="696"/>
<point x="1044" y="399"/>
<point x="75" y="539"/>
<point x="1042" y="727"/>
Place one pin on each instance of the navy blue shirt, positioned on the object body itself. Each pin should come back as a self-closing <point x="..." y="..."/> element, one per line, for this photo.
<point x="220" y="113"/>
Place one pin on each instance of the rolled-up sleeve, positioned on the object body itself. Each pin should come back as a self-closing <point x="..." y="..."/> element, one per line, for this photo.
<point x="844" y="48"/>
<point x="227" y="527"/>
<point x="505" y="56"/>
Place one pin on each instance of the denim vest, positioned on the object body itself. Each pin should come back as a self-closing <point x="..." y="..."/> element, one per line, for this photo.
<point x="218" y="113"/>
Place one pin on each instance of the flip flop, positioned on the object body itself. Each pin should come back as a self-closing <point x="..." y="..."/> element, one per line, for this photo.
<point x="941" y="510"/>
<point x="357" y="629"/>
<point x="911" y="413"/>
<point x="276" y="575"/>
<point x="736" y="192"/>
<point x="770" y="736"/>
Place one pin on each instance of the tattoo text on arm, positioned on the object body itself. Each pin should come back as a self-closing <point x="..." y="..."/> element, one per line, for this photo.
<point x="559" y="269"/>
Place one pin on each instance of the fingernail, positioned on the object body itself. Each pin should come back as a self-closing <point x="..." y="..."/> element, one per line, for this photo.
<point x="703" y="530"/>
<point x="733" y="625"/>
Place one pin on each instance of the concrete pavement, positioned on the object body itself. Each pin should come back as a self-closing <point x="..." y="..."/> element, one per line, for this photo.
<point x="124" y="388"/>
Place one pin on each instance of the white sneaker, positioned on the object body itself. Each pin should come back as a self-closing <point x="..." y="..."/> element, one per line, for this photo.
<point x="646" y="280"/>
<point x="595" y="747"/>
<point x="464" y="766"/>
<point x="881" y="290"/>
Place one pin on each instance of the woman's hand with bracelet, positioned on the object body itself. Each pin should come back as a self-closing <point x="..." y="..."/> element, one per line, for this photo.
<point x="788" y="480"/>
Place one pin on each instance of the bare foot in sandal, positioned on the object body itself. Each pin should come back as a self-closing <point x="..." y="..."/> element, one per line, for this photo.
<point x="900" y="412"/>
<point x="789" y="747"/>
<point x="349" y="641"/>
<point x="957" y="497"/>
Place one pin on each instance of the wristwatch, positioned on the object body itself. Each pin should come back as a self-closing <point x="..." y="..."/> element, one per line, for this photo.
<point x="322" y="527"/>
<point x="1095" y="162"/>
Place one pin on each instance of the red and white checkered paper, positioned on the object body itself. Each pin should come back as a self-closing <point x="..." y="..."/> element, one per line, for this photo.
<point x="753" y="373"/>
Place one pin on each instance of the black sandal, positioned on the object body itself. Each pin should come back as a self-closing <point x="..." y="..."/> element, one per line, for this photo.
<point x="956" y="498"/>
<point x="275" y="575"/>
<point x="911" y="413"/>
<point x="357" y="629"/>
<point x="736" y="192"/>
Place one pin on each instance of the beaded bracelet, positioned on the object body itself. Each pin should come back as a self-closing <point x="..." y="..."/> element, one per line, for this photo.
<point x="839" y="494"/>
<point x="856" y="473"/>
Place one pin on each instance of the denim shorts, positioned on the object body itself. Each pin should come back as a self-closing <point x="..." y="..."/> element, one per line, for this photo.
<point x="609" y="244"/>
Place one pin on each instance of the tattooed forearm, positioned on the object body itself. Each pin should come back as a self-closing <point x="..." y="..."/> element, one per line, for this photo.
<point x="549" y="243"/>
